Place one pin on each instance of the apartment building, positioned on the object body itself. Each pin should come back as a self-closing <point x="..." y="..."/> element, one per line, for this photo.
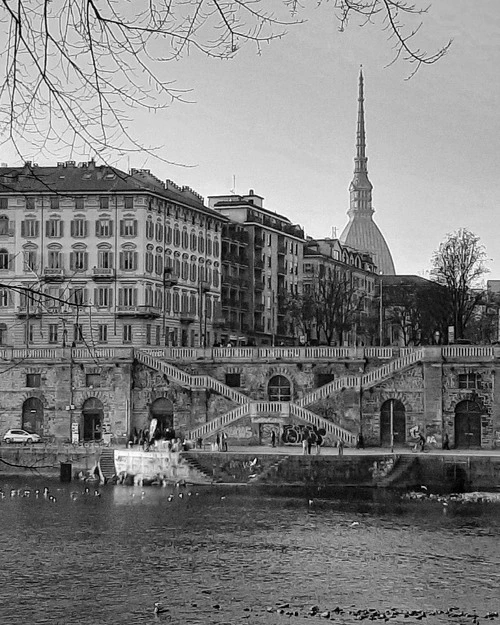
<point x="91" y="255"/>
<point x="274" y="270"/>
<point x="344" y="282"/>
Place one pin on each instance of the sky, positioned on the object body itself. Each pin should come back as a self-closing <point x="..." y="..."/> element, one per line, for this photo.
<point x="283" y="123"/>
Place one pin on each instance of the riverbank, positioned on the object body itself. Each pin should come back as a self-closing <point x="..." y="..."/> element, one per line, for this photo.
<point x="438" y="470"/>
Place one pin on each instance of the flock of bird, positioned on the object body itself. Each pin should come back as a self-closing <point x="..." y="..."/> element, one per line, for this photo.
<point x="44" y="494"/>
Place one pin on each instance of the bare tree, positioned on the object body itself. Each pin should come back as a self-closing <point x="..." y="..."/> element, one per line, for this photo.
<point x="74" y="70"/>
<point x="459" y="266"/>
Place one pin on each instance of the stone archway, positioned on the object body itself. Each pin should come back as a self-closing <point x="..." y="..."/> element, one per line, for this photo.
<point x="398" y="422"/>
<point x="162" y="409"/>
<point x="467" y="424"/>
<point x="92" y="417"/>
<point x="279" y="388"/>
<point x="32" y="415"/>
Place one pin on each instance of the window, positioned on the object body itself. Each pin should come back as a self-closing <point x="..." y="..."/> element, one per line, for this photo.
<point x="54" y="228"/>
<point x="78" y="333"/>
<point x="104" y="228"/>
<point x="158" y="335"/>
<point x="104" y="202"/>
<point x="193" y="241"/>
<point x="201" y="243"/>
<point x="78" y="260"/>
<point x="30" y="228"/>
<point x="3" y="334"/>
<point x="127" y="296"/>
<point x="54" y="259"/>
<point x="77" y="296"/>
<point x="159" y="232"/>
<point x="33" y="380"/>
<point x="102" y="333"/>
<point x="129" y="202"/>
<point x="148" y="267"/>
<point x="159" y="264"/>
<point x="168" y="234"/>
<point x="148" y="295"/>
<point x="4" y="298"/>
<point x="105" y="259"/>
<point x="93" y="380"/>
<point x="4" y="203"/>
<point x="53" y="333"/>
<point x="4" y="224"/>
<point x="4" y="259"/>
<point x="216" y="248"/>
<point x="29" y="333"/>
<point x="127" y="334"/>
<point x="79" y="228"/>
<point x="30" y="203"/>
<point x="150" y="229"/>
<point x="185" y="239"/>
<point x="128" y="260"/>
<point x="233" y="380"/>
<point x="469" y="380"/>
<point x="177" y="236"/>
<point x="128" y="227"/>
<point x="54" y="202"/>
<point x="79" y="203"/>
<point x="148" y="334"/>
<point x="103" y="297"/>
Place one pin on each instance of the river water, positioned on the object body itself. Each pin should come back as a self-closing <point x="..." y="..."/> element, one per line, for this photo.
<point x="236" y="556"/>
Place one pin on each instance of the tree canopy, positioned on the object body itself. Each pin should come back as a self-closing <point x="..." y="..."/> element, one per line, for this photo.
<point x="75" y="70"/>
<point x="459" y="265"/>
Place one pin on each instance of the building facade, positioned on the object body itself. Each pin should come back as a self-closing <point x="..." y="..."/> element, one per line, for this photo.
<point x="275" y="257"/>
<point x="90" y="255"/>
<point x="342" y="282"/>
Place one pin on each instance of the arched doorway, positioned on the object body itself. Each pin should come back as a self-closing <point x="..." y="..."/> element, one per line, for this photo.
<point x="162" y="409"/>
<point x="398" y="422"/>
<point x="467" y="424"/>
<point x="33" y="415"/>
<point x="279" y="389"/>
<point x="92" y="414"/>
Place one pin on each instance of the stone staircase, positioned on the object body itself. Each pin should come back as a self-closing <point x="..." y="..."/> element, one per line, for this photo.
<point x="270" y="470"/>
<point x="107" y="463"/>
<point x="208" y="429"/>
<point x="402" y="469"/>
<point x="365" y="381"/>
<point x="194" y="464"/>
<point x="190" y="381"/>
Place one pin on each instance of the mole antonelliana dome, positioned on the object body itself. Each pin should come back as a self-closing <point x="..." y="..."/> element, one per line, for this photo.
<point x="362" y="233"/>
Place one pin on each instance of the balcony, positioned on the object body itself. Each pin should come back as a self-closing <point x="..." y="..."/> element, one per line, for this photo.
<point x="35" y="311"/>
<point x="148" y="312"/>
<point x="219" y="322"/>
<point x="259" y="327"/>
<point x="258" y="308"/>
<point x="258" y="241"/>
<point x="281" y="266"/>
<point x="204" y="287"/>
<point x="258" y="285"/>
<point x="281" y="248"/>
<point x="187" y="318"/>
<point x="103" y="274"/>
<point x="52" y="274"/>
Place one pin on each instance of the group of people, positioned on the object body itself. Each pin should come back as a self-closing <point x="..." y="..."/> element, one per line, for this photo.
<point x="159" y="438"/>
<point x="309" y="440"/>
<point x="221" y="441"/>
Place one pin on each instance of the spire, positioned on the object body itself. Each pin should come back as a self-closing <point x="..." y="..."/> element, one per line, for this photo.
<point x="361" y="187"/>
<point x="362" y="233"/>
<point x="360" y="162"/>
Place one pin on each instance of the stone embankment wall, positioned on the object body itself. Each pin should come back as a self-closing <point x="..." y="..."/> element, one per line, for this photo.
<point x="46" y="461"/>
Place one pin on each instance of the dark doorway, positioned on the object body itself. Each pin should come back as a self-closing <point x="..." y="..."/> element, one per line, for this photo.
<point x="162" y="410"/>
<point x="33" y="415"/>
<point x="467" y="424"/>
<point x="93" y="414"/>
<point x="398" y="422"/>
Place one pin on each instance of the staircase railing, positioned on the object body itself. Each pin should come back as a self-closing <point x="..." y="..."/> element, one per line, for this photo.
<point x="279" y="408"/>
<point x="190" y="381"/>
<point x="367" y="380"/>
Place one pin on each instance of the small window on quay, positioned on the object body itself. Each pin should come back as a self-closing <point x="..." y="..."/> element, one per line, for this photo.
<point x="233" y="379"/>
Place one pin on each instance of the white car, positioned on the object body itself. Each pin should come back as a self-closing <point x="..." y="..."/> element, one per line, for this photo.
<point x="21" y="436"/>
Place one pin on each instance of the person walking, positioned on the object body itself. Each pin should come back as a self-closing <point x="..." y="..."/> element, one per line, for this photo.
<point x="446" y="441"/>
<point x="217" y="442"/>
<point x="421" y="441"/>
<point x="360" y="444"/>
<point x="340" y="445"/>
<point x="224" y="441"/>
<point x="304" y="441"/>
<point x="273" y="438"/>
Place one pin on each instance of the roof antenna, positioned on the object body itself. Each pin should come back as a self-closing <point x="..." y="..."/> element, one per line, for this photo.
<point x="233" y="190"/>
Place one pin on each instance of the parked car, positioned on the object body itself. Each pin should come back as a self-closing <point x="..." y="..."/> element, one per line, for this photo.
<point x="21" y="436"/>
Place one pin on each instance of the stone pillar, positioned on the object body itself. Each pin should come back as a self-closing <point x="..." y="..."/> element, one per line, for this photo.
<point x="433" y="399"/>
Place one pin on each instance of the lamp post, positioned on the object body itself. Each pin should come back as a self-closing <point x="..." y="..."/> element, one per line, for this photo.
<point x="381" y="316"/>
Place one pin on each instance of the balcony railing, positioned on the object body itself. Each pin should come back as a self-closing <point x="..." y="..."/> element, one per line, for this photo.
<point x="138" y="311"/>
<point x="53" y="274"/>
